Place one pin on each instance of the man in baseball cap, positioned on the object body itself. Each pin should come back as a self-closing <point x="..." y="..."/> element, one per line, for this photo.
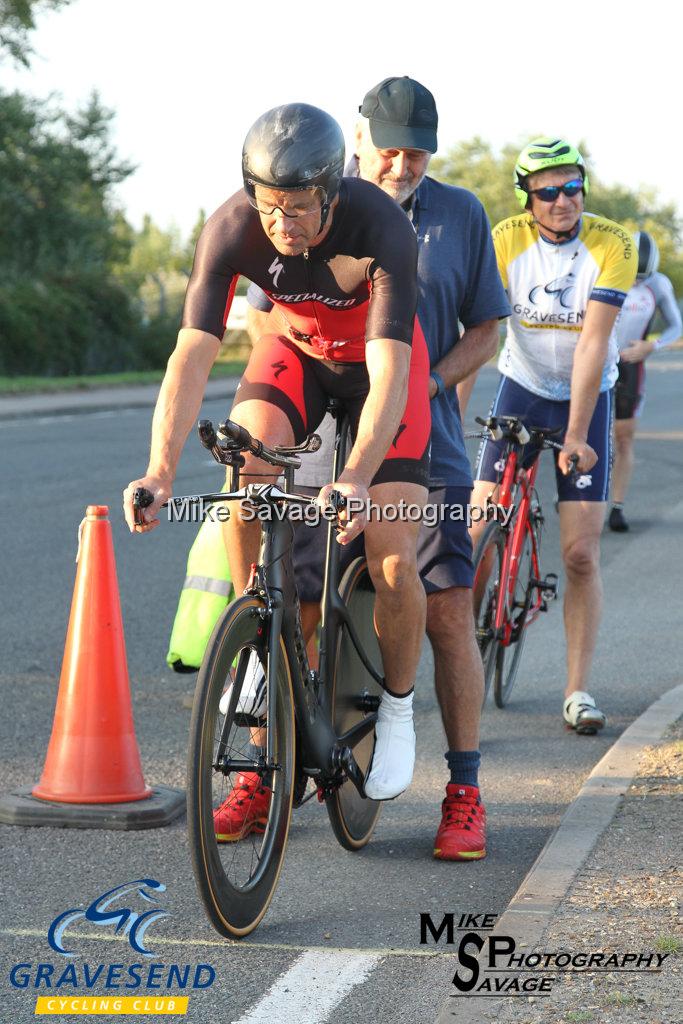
<point x="401" y="115"/>
<point x="458" y="282"/>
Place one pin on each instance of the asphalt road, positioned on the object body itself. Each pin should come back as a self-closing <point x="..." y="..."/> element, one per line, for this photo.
<point x="362" y="910"/>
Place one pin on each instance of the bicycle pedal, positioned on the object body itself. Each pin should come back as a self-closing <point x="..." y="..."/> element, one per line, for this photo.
<point x="549" y="586"/>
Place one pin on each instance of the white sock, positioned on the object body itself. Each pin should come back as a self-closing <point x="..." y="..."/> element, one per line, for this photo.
<point x="394" y="756"/>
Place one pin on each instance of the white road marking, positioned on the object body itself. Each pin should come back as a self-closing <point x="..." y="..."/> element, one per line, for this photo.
<point x="312" y="987"/>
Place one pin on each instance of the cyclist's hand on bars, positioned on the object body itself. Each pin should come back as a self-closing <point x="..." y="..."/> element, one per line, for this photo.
<point x="352" y="519"/>
<point x="586" y="457"/>
<point x="160" y="488"/>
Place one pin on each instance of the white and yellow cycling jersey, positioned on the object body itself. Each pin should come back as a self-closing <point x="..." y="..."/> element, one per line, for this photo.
<point x="549" y="286"/>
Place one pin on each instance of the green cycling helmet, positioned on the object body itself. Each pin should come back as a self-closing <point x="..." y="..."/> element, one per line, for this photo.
<point x="539" y="155"/>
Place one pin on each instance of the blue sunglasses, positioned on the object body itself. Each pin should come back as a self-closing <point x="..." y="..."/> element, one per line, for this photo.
<point x="550" y="193"/>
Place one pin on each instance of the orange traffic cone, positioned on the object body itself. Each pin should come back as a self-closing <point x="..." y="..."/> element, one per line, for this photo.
<point x="93" y="756"/>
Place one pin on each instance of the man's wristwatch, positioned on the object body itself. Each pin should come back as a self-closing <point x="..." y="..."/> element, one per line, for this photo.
<point x="438" y="380"/>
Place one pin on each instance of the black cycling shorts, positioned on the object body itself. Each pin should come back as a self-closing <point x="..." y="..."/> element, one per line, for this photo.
<point x="281" y="373"/>
<point x="629" y="390"/>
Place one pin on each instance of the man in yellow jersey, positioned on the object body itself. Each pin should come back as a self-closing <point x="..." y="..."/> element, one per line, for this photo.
<point x="566" y="273"/>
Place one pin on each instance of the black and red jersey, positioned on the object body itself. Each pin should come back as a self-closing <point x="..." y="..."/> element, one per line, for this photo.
<point x="357" y="285"/>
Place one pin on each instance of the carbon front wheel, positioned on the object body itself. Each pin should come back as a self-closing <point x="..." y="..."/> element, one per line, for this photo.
<point x="236" y="874"/>
<point x="352" y="816"/>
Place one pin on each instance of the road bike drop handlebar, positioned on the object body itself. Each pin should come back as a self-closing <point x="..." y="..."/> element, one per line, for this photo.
<point x="226" y="445"/>
<point x="512" y="429"/>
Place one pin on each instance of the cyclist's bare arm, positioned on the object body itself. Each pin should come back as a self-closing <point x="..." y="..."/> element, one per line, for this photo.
<point x="176" y="411"/>
<point x="477" y="345"/>
<point x="589" y="361"/>
<point x="388" y="365"/>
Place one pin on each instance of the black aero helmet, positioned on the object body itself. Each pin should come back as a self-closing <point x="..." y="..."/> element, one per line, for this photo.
<point x="648" y="253"/>
<point x="294" y="146"/>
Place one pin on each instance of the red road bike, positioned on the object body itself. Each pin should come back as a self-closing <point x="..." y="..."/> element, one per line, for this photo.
<point x="509" y="590"/>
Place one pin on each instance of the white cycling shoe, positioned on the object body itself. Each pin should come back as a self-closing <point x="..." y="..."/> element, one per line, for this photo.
<point x="252" y="698"/>
<point x="393" y="759"/>
<point x="581" y="714"/>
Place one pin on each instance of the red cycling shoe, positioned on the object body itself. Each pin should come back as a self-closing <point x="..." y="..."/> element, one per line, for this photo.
<point x="245" y="810"/>
<point x="462" y="833"/>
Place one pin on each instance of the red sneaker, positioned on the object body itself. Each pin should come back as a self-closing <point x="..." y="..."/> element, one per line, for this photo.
<point x="245" y="810"/>
<point x="462" y="833"/>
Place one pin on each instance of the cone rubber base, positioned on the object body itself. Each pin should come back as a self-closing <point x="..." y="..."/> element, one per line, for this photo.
<point x="165" y="804"/>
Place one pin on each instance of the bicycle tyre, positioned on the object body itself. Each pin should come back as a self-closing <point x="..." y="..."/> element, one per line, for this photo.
<point x="491" y="546"/>
<point x="508" y="658"/>
<point x="353" y="818"/>
<point x="236" y="881"/>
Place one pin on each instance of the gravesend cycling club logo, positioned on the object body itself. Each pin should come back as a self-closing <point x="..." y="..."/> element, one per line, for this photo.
<point x="489" y="964"/>
<point x="104" y="912"/>
<point x="125" y="912"/>
<point x="560" y="287"/>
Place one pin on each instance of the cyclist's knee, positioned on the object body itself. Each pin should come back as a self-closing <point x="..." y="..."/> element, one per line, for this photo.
<point x="449" y="614"/>
<point x="393" y="574"/>
<point x="582" y="557"/>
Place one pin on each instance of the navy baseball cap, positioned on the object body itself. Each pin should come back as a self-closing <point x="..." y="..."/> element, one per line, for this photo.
<point x="402" y="115"/>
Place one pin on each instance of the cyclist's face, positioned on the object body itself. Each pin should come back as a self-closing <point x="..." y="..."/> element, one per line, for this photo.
<point x="398" y="172"/>
<point x="294" y="222"/>
<point x="564" y="212"/>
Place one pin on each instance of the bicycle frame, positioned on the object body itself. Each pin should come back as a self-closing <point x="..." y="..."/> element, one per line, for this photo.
<point x="515" y="479"/>
<point x="323" y="752"/>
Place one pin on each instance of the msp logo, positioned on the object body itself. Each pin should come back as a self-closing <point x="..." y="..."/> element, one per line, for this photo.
<point x="103" y="912"/>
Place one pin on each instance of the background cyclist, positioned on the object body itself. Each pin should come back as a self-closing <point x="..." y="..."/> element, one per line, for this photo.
<point x="458" y="281"/>
<point x="338" y="259"/>
<point x="567" y="274"/>
<point x="652" y="292"/>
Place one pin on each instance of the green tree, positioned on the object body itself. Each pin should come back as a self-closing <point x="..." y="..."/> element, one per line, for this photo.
<point x="61" y="306"/>
<point x="17" y="21"/>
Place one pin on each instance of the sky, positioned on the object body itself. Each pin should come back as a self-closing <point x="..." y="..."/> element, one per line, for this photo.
<point x="187" y="79"/>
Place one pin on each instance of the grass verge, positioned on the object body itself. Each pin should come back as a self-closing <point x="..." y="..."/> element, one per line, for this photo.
<point x="29" y="385"/>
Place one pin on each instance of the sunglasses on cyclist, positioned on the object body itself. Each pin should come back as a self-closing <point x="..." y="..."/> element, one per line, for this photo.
<point x="300" y="207"/>
<point x="551" y="192"/>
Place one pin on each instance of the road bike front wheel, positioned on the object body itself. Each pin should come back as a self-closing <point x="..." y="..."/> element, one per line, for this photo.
<point x="508" y="658"/>
<point x="236" y="879"/>
<point x="488" y="569"/>
<point x="353" y="817"/>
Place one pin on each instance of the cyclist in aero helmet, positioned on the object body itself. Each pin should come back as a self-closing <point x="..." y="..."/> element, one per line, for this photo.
<point x="337" y="258"/>
<point x="652" y="292"/>
<point x="294" y="148"/>
<point x="567" y="274"/>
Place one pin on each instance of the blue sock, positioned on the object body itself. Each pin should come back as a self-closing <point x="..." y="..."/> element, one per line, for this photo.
<point x="464" y="766"/>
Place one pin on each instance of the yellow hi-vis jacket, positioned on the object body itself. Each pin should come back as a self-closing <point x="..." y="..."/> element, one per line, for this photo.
<point x="206" y="592"/>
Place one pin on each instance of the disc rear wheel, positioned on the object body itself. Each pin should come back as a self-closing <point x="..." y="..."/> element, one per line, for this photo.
<point x="352" y="816"/>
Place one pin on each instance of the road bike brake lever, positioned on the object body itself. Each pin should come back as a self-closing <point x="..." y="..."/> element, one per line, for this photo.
<point x="522" y="434"/>
<point x="142" y="499"/>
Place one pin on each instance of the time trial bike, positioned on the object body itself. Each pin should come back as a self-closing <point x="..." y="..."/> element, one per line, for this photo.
<point x="316" y="725"/>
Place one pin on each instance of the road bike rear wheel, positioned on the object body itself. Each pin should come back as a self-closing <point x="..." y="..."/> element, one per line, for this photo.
<point x="508" y="658"/>
<point x="236" y="880"/>
<point x="488" y="567"/>
<point x="352" y="816"/>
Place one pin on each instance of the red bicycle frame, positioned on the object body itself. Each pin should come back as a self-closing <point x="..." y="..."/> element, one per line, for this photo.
<point x="515" y="479"/>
